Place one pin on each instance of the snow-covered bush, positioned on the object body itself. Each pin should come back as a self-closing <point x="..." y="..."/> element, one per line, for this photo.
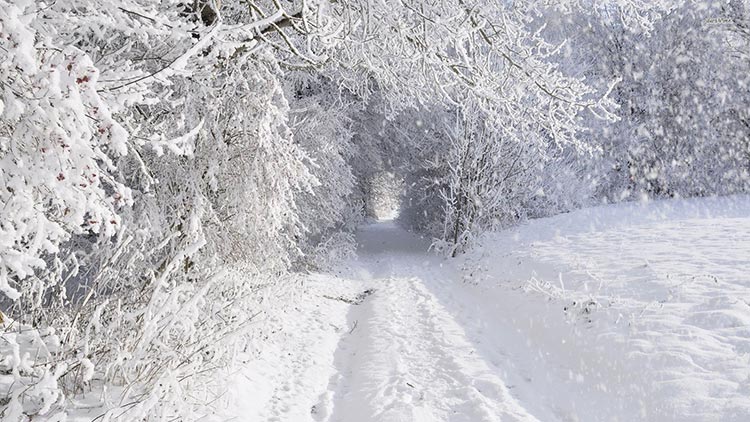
<point x="58" y="144"/>
<point x="477" y="177"/>
<point x="321" y="124"/>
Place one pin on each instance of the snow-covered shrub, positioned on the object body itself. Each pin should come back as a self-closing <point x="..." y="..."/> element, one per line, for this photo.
<point x="321" y="124"/>
<point x="29" y="372"/>
<point x="58" y="141"/>
<point x="483" y="178"/>
<point x="58" y="146"/>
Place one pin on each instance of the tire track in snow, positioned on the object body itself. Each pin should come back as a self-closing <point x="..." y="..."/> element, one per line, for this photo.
<point x="408" y="360"/>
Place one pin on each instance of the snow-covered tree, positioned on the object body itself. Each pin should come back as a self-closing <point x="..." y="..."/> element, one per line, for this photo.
<point x="680" y="96"/>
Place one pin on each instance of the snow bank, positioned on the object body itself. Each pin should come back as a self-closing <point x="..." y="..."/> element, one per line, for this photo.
<point x="287" y="364"/>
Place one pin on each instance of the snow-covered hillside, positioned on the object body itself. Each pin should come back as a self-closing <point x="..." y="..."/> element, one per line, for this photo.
<point x="616" y="313"/>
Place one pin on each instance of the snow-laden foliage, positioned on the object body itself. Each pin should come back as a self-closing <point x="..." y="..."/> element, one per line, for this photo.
<point x="139" y="159"/>
<point x="321" y="124"/>
<point x="676" y="124"/>
<point x="477" y="176"/>
<point x="58" y="144"/>
<point x="480" y="81"/>
<point x="682" y="98"/>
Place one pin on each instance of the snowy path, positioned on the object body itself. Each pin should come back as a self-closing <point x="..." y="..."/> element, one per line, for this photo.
<point x="407" y="359"/>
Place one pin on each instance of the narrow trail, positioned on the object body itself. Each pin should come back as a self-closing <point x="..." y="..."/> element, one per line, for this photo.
<point x="407" y="358"/>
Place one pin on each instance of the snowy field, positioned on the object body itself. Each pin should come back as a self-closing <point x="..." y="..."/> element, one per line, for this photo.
<point x="627" y="312"/>
<point x="616" y="313"/>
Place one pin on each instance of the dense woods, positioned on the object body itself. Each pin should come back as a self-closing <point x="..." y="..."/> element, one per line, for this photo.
<point x="162" y="161"/>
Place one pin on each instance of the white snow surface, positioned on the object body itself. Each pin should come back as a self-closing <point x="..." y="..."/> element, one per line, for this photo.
<point x="631" y="312"/>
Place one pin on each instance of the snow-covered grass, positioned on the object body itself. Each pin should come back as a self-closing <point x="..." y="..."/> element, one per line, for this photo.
<point x="256" y="374"/>
<point x="635" y="310"/>
<point x="27" y="385"/>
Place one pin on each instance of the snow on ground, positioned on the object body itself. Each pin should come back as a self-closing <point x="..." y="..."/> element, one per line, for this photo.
<point x="408" y="359"/>
<point x="634" y="311"/>
<point x="616" y="313"/>
<point x="284" y="365"/>
<point x="291" y="355"/>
